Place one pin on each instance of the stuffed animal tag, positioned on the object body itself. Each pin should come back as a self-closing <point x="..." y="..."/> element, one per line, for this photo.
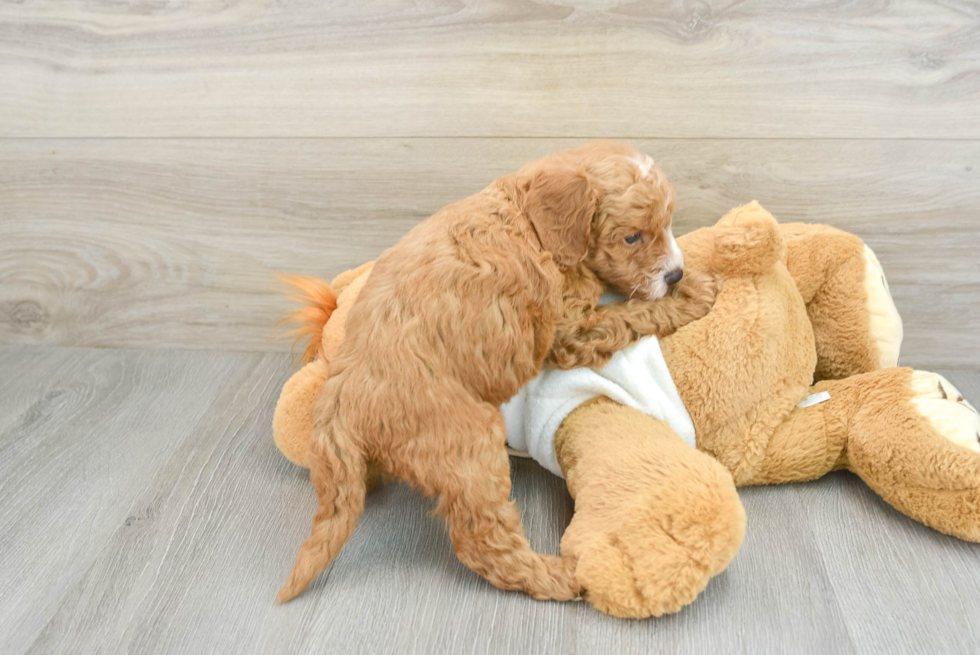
<point x="815" y="399"/>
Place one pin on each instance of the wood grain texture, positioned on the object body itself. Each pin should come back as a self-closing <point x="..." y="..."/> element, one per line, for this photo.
<point x="87" y="441"/>
<point x="174" y="520"/>
<point x="173" y="243"/>
<point x="683" y="68"/>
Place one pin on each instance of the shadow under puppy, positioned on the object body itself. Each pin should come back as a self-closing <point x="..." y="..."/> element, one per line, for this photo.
<point x="459" y="315"/>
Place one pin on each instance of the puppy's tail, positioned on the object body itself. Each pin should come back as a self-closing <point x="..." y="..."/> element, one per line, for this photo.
<point x="339" y="473"/>
<point x="318" y="301"/>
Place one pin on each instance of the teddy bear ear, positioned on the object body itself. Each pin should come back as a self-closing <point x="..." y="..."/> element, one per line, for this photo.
<point x="747" y="241"/>
<point x="560" y="202"/>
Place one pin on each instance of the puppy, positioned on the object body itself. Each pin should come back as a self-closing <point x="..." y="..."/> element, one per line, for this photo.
<point x="458" y="316"/>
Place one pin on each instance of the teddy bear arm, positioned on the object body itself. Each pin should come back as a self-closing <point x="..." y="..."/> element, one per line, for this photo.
<point x="654" y="519"/>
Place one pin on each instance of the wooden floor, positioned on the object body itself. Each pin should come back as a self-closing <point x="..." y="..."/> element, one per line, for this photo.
<point x="144" y="508"/>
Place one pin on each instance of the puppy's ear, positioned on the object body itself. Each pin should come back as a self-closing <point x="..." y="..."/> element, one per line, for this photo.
<point x="560" y="203"/>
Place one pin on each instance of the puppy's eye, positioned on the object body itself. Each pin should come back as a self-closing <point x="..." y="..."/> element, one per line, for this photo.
<point x="633" y="239"/>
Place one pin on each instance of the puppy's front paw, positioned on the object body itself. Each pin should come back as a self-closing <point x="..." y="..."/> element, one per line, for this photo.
<point x="697" y="291"/>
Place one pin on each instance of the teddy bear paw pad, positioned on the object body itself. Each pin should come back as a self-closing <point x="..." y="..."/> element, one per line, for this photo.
<point x="885" y="323"/>
<point x="949" y="412"/>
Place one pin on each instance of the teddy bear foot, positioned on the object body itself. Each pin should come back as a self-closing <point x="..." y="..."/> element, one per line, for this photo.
<point x="659" y="560"/>
<point x="950" y="414"/>
<point x="655" y="519"/>
<point x="677" y="523"/>
<point x="918" y="446"/>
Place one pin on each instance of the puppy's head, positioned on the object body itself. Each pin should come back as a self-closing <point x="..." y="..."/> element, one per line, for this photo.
<point x="608" y="206"/>
<point x="631" y="245"/>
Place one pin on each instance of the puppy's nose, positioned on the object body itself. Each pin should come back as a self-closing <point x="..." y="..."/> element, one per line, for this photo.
<point x="674" y="276"/>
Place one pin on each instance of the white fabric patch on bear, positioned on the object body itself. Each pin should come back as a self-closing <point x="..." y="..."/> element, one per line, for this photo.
<point x="636" y="377"/>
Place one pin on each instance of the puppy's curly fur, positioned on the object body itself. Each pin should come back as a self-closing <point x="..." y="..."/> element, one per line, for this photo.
<point x="458" y="316"/>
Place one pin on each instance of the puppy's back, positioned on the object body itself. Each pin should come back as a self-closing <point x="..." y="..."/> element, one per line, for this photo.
<point x="464" y="295"/>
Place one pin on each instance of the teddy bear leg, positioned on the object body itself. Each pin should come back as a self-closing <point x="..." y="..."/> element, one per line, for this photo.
<point x="919" y="448"/>
<point x="654" y="519"/>
<point x="855" y="323"/>
<point x="812" y="439"/>
<point x="910" y="435"/>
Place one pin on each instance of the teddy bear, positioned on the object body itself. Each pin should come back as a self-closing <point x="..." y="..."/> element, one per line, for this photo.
<point x="792" y="374"/>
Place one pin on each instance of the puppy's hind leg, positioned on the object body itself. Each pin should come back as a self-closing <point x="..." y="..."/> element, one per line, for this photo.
<point x="339" y="473"/>
<point x="484" y="525"/>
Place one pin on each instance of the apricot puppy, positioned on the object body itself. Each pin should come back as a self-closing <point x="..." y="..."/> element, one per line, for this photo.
<point x="459" y="315"/>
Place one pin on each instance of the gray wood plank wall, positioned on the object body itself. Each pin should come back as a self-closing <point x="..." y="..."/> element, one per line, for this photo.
<point x="158" y="161"/>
